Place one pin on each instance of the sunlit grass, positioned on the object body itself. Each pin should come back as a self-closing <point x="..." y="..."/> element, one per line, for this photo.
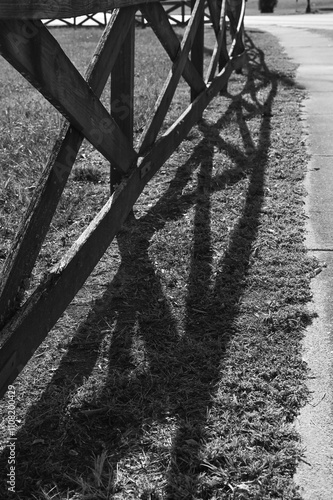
<point x="177" y="371"/>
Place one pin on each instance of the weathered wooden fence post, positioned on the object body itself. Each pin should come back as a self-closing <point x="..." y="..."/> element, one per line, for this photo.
<point x="122" y="93"/>
<point x="197" y="52"/>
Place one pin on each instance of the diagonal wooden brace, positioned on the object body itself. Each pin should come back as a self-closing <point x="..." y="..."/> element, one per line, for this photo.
<point x="33" y="51"/>
<point x="220" y="55"/>
<point x="162" y="105"/>
<point x="34" y="227"/>
<point x="158" y="18"/>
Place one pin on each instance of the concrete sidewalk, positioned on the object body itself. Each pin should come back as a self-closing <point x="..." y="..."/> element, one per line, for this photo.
<point x="314" y="54"/>
<point x="311" y="21"/>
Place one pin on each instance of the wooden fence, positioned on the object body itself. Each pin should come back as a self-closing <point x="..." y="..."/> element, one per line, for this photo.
<point x="29" y="46"/>
<point x="99" y="19"/>
<point x="178" y="11"/>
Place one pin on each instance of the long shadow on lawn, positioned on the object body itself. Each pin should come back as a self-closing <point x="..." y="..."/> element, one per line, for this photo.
<point x="210" y="333"/>
<point x="179" y="364"/>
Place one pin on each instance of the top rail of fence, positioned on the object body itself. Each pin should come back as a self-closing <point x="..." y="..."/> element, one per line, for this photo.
<point x="178" y="12"/>
<point x="55" y="9"/>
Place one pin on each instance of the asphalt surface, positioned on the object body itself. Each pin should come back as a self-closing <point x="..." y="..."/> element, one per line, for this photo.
<point x="314" y="54"/>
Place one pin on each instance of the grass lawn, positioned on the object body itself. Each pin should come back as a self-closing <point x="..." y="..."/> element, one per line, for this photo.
<point x="176" y="373"/>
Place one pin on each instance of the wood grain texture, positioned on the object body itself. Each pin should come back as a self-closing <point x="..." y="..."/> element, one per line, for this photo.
<point x="56" y="9"/>
<point x="236" y="17"/>
<point x="33" y="51"/>
<point x="122" y="92"/>
<point x="35" y="224"/>
<point x="171" y="139"/>
<point x="197" y="50"/>
<point x="161" y="108"/>
<point x="214" y="11"/>
<point x="38" y="315"/>
<point x="220" y="55"/>
<point x="160" y="23"/>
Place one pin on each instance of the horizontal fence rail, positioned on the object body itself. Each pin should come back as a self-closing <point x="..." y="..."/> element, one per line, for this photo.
<point x="100" y="19"/>
<point x="31" y="49"/>
<point x="178" y="11"/>
<point x="60" y="9"/>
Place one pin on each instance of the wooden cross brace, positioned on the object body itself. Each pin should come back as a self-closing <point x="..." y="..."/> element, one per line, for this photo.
<point x="34" y="52"/>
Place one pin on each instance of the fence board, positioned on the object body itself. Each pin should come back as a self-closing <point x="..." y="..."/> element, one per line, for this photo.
<point x="157" y="17"/>
<point x="214" y="12"/>
<point x="197" y="52"/>
<point x="166" y="145"/>
<point x="122" y="93"/>
<point x="60" y="82"/>
<point x="156" y="119"/>
<point x="59" y="9"/>
<point x="220" y="55"/>
<point x="41" y="311"/>
<point x="26" y="247"/>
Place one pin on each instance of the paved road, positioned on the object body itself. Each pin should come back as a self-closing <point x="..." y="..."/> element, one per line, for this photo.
<point x="314" y="54"/>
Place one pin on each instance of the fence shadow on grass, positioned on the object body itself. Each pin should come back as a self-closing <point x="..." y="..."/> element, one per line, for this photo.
<point x="211" y="332"/>
<point x="177" y="373"/>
